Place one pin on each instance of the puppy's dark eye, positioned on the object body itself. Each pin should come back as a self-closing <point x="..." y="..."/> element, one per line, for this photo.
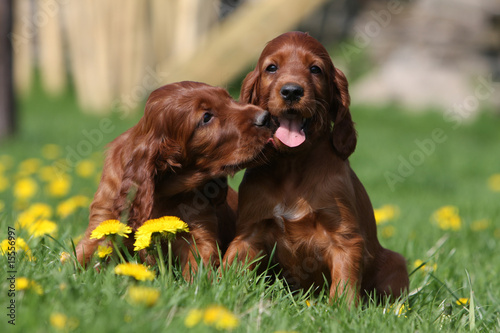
<point x="207" y="116"/>
<point x="271" y="68"/>
<point x="315" y="70"/>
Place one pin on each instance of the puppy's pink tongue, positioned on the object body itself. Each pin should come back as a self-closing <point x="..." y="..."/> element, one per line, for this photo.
<point x="290" y="132"/>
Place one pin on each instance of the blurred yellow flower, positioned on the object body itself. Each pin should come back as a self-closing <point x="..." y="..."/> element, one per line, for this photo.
<point x="137" y="271"/>
<point x="43" y="227"/>
<point x="388" y="231"/>
<point x="59" y="186"/>
<point x="48" y="173"/>
<point x="62" y="322"/>
<point x="462" y="301"/>
<point x="104" y="251"/>
<point x="25" y="188"/>
<point x="215" y="315"/>
<point x="65" y="256"/>
<point x="494" y="182"/>
<point x="220" y="318"/>
<point x="142" y="295"/>
<point x="386" y="213"/>
<point x="424" y="267"/>
<point x="164" y="225"/>
<point x="399" y="309"/>
<point x="67" y="207"/>
<point x="32" y="214"/>
<point x="23" y="283"/>
<point x="193" y="318"/>
<point x="20" y="245"/>
<point x="447" y="218"/>
<point x="29" y="166"/>
<point x="110" y="227"/>
<point x="51" y="151"/>
<point x="4" y="183"/>
<point x="85" y="168"/>
<point x="480" y="225"/>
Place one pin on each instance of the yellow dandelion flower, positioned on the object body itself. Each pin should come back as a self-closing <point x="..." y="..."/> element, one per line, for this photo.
<point x="480" y="225"/>
<point x="32" y="214"/>
<point x="193" y="318"/>
<point x="397" y="309"/>
<point x="85" y="168"/>
<point x="4" y="183"/>
<point x="142" y="296"/>
<point x="43" y="227"/>
<point x="23" y="283"/>
<point x="58" y="320"/>
<point x="388" y="231"/>
<point x="29" y="166"/>
<point x="51" y="151"/>
<point x="48" y="173"/>
<point x="462" y="301"/>
<point x="104" y="251"/>
<point x="62" y="322"/>
<point x="69" y="206"/>
<point x="220" y="318"/>
<point x="25" y="188"/>
<point x="494" y="182"/>
<point x="137" y="271"/>
<point x="59" y="186"/>
<point x="41" y="210"/>
<point x="386" y="213"/>
<point x="308" y="303"/>
<point x="164" y="225"/>
<point x="424" y="267"/>
<point x="19" y="245"/>
<point x="447" y="218"/>
<point x="111" y="227"/>
<point x="65" y="256"/>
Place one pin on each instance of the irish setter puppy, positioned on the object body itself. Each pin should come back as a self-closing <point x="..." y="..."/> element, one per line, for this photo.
<point x="306" y="204"/>
<point x="175" y="162"/>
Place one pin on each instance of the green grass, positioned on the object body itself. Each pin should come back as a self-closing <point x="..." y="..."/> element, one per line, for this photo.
<point x="460" y="263"/>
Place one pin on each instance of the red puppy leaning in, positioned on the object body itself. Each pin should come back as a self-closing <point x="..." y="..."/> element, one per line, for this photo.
<point x="307" y="203"/>
<point x="175" y="162"/>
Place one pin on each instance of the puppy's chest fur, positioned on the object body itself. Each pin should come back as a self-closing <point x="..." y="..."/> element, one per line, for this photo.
<point x="301" y="225"/>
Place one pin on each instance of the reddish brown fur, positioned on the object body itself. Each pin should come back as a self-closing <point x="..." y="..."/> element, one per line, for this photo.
<point x="172" y="163"/>
<point x="307" y="202"/>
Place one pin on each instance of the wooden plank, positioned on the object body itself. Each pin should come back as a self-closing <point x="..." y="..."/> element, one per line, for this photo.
<point x="50" y="48"/>
<point x="237" y="42"/>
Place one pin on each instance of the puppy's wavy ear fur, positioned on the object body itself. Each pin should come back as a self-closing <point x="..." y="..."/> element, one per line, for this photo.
<point x="343" y="134"/>
<point x="250" y="88"/>
<point x="151" y="155"/>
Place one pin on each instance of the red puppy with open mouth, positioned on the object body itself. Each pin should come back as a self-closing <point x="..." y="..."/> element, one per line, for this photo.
<point x="306" y="204"/>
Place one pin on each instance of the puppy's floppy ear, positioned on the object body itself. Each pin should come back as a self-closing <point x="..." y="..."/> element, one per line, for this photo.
<point x="343" y="134"/>
<point x="151" y="156"/>
<point x="250" y="88"/>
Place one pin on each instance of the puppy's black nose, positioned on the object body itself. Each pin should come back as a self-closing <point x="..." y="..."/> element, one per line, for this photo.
<point x="291" y="92"/>
<point x="263" y="119"/>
